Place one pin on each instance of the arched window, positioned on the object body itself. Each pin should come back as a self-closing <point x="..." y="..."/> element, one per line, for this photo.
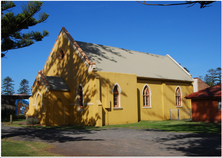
<point x="178" y="95"/>
<point x="146" y="96"/>
<point x="80" y="96"/>
<point x="116" y="95"/>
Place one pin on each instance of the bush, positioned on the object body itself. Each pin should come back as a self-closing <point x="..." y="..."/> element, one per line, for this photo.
<point x="32" y="121"/>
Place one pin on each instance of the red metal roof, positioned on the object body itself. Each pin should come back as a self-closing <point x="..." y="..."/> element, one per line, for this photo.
<point x="214" y="91"/>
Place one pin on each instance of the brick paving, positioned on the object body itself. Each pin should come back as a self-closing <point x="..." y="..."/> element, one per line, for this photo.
<point x="120" y="142"/>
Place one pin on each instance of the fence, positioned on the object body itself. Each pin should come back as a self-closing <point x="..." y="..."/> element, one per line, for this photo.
<point x="180" y="114"/>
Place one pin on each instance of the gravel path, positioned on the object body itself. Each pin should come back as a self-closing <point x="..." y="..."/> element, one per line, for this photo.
<point x="120" y="142"/>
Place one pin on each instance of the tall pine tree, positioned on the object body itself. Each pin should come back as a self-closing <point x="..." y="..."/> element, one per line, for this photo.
<point x="24" y="87"/>
<point x="12" y="25"/>
<point x="213" y="77"/>
<point x="8" y="86"/>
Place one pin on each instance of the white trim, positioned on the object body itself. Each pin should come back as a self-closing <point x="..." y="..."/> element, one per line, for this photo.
<point x="179" y="65"/>
<point x="88" y="104"/>
<point x="180" y="91"/>
<point x="83" y="59"/>
<point x="195" y="85"/>
<point x="181" y="94"/>
<point x="92" y="68"/>
<point x="146" y="107"/>
<point x="148" y="87"/>
<point x="149" y="94"/>
<point x="119" y="90"/>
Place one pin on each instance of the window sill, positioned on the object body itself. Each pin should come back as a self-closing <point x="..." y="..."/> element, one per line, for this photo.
<point x="117" y="108"/>
<point x="147" y="107"/>
<point x="179" y="106"/>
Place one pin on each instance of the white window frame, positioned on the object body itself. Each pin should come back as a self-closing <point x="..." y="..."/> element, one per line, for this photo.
<point x="119" y="90"/>
<point x="181" y="96"/>
<point x="36" y="100"/>
<point x="150" y="94"/>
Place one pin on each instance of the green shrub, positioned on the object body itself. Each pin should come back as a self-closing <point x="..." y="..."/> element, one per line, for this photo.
<point x="32" y="121"/>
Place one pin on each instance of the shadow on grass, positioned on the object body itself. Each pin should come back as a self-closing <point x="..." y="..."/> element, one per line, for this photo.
<point x="195" y="128"/>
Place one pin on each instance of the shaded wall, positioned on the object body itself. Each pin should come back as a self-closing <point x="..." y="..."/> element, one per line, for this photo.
<point x="206" y="110"/>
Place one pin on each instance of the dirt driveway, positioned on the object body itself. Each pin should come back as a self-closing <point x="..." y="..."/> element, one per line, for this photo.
<point x="120" y="142"/>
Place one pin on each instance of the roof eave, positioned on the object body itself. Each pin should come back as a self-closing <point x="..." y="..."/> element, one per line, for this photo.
<point x="164" y="79"/>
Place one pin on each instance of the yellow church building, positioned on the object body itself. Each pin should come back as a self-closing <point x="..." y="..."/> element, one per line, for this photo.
<point x="90" y="84"/>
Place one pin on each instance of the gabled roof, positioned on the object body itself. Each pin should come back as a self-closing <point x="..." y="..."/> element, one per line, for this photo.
<point x="52" y="82"/>
<point x="39" y="74"/>
<point x="214" y="91"/>
<point x="112" y="59"/>
<point x="76" y="46"/>
<point x="56" y="83"/>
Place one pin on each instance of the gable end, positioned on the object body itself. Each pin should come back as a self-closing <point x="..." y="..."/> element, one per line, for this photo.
<point x="76" y="48"/>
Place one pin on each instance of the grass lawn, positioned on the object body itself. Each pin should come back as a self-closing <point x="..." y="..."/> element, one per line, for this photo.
<point x="175" y="126"/>
<point x="168" y="125"/>
<point x="25" y="148"/>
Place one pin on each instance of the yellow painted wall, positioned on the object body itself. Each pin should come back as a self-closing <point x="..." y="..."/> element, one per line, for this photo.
<point x="74" y="72"/>
<point x="37" y="103"/>
<point x="31" y="108"/>
<point x="155" y="112"/>
<point x="57" y="108"/>
<point x="186" y="88"/>
<point x="128" y="101"/>
<point x="163" y="99"/>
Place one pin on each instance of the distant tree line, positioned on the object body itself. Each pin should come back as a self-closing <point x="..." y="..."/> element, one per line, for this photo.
<point x="8" y="87"/>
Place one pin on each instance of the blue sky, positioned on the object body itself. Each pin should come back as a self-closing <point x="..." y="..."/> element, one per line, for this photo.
<point x="192" y="36"/>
